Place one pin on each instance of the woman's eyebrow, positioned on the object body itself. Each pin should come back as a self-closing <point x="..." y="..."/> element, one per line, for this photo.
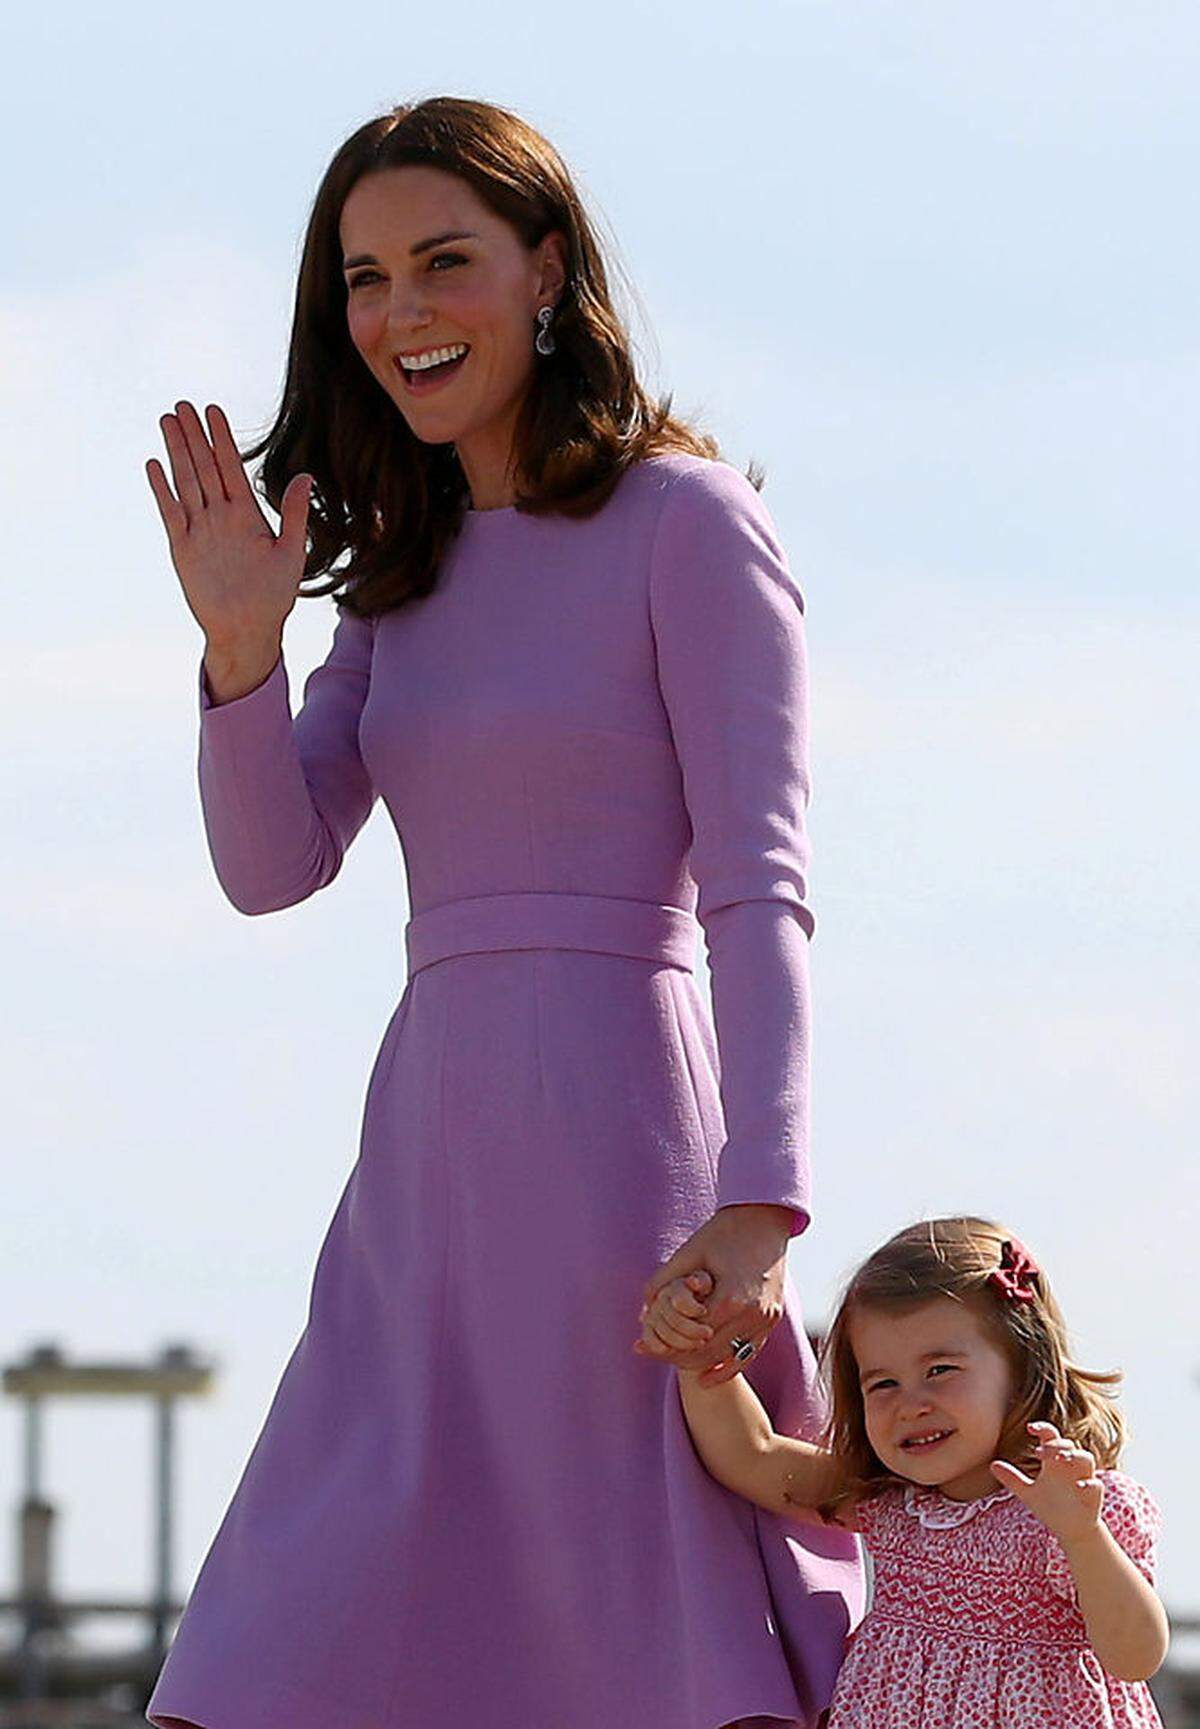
<point x="414" y="251"/>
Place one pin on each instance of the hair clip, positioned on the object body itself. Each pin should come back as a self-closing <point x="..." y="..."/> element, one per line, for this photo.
<point x="1014" y="1277"/>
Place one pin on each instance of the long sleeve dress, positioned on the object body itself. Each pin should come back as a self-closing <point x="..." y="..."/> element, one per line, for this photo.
<point x="471" y="1503"/>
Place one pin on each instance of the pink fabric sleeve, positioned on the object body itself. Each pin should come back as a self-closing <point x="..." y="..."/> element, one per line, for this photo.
<point x="1135" y="1520"/>
<point x="729" y="636"/>
<point x="283" y="798"/>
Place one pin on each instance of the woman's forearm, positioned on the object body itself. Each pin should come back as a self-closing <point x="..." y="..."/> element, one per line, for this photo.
<point x="1126" y="1623"/>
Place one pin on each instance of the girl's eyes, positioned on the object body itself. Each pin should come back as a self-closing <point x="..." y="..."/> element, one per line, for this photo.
<point x="877" y="1386"/>
<point x="438" y="257"/>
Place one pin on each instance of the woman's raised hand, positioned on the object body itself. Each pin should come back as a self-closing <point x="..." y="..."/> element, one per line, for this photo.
<point x="240" y="579"/>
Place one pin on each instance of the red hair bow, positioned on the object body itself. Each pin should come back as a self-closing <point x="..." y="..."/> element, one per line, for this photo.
<point x="1014" y="1277"/>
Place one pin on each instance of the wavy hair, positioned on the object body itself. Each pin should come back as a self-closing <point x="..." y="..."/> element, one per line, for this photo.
<point x="955" y="1257"/>
<point x="384" y="503"/>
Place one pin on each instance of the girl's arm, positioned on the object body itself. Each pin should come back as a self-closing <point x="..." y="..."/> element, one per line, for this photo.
<point x="740" y="1448"/>
<point x="1126" y="1623"/>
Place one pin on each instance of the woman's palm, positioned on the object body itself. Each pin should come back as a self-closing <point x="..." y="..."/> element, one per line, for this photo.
<point x="239" y="578"/>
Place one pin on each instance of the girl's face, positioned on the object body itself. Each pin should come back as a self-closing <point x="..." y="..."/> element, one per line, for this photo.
<point x="427" y="265"/>
<point x="936" y="1391"/>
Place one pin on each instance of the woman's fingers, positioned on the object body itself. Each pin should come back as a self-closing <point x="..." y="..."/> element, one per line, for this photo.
<point x="228" y="458"/>
<point x="203" y="460"/>
<point x="183" y="469"/>
<point x="174" y="516"/>
<point x="293" y="515"/>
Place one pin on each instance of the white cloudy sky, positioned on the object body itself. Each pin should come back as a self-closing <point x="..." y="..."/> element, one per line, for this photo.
<point x="935" y="267"/>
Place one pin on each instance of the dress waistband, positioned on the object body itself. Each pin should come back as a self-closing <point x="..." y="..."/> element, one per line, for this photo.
<point x="605" y="924"/>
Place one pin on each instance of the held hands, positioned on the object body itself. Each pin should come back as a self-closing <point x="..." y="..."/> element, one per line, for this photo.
<point x="1066" y="1495"/>
<point x="676" y="1317"/>
<point x="239" y="578"/>
<point x="725" y="1283"/>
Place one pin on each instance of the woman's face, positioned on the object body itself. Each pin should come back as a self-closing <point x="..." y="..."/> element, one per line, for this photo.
<point x="427" y="265"/>
<point x="936" y="1391"/>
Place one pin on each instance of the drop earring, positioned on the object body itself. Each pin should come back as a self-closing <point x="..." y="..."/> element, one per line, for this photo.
<point x="544" y="341"/>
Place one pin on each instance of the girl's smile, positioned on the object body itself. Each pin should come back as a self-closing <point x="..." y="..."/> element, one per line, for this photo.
<point x="936" y="1389"/>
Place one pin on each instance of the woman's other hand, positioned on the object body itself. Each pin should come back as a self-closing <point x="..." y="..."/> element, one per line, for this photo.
<point x="744" y="1249"/>
<point x="239" y="578"/>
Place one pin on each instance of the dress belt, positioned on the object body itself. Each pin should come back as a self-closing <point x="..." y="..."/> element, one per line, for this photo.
<point x="605" y="924"/>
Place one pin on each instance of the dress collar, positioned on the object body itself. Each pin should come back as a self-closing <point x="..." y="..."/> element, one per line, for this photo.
<point x="938" y="1512"/>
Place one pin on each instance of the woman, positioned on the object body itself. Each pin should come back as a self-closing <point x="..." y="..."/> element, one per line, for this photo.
<point x="569" y="656"/>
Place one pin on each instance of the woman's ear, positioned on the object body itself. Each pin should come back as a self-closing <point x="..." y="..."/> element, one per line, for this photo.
<point x="552" y="275"/>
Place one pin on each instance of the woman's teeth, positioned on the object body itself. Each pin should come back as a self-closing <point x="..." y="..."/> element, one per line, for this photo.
<point x="422" y="362"/>
<point x="426" y="372"/>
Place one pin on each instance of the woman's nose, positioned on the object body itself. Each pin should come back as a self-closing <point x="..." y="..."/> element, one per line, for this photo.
<point x="408" y="315"/>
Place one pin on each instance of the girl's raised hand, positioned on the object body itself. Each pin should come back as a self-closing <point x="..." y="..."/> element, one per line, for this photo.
<point x="675" y="1318"/>
<point x="1066" y="1494"/>
<point x="239" y="578"/>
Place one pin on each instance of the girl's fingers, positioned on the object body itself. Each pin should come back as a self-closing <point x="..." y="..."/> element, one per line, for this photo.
<point x="683" y="1302"/>
<point x="677" y="1333"/>
<point x="1009" y="1477"/>
<point x="669" y="1308"/>
<point x="202" y="456"/>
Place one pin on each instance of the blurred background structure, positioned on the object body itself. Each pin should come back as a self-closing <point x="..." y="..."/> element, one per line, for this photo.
<point x="49" y="1671"/>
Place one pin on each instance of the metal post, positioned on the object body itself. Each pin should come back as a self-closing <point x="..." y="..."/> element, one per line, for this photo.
<point x="165" y="1459"/>
<point x="33" y="1448"/>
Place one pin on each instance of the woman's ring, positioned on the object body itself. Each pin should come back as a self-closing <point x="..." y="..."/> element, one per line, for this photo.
<point x="743" y="1349"/>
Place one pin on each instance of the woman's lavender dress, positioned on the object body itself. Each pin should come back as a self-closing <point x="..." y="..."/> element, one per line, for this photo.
<point x="471" y="1505"/>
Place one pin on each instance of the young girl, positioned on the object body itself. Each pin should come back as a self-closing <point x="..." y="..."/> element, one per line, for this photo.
<point x="1013" y="1564"/>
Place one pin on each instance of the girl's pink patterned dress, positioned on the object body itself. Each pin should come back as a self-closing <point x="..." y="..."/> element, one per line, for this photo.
<point x="974" y="1622"/>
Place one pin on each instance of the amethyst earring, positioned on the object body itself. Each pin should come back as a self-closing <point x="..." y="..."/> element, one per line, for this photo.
<point x="544" y="341"/>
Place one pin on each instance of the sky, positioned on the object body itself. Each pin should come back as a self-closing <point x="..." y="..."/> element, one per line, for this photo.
<point x="936" y="269"/>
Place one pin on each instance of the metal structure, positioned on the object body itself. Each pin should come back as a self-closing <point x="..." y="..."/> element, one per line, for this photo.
<point x="45" y="1677"/>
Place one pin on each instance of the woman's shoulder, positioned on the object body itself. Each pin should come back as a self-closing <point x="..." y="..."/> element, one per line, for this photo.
<point x="686" y="479"/>
<point x="706" y="516"/>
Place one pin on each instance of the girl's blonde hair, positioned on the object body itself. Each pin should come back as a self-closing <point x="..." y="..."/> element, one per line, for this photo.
<point x="956" y="1257"/>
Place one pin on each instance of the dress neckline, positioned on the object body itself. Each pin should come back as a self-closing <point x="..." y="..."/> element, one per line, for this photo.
<point x="940" y="1512"/>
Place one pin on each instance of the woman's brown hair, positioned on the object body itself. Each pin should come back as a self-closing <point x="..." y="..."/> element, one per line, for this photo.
<point x="956" y="1257"/>
<point x="381" y="500"/>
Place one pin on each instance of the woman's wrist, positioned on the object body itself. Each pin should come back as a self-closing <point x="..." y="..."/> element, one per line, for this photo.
<point x="773" y="1220"/>
<point x="234" y="671"/>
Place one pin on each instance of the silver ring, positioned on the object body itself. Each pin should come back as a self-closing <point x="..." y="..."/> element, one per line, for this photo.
<point x="743" y="1349"/>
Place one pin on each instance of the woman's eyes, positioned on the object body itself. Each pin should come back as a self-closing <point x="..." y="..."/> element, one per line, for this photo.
<point x="438" y="257"/>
